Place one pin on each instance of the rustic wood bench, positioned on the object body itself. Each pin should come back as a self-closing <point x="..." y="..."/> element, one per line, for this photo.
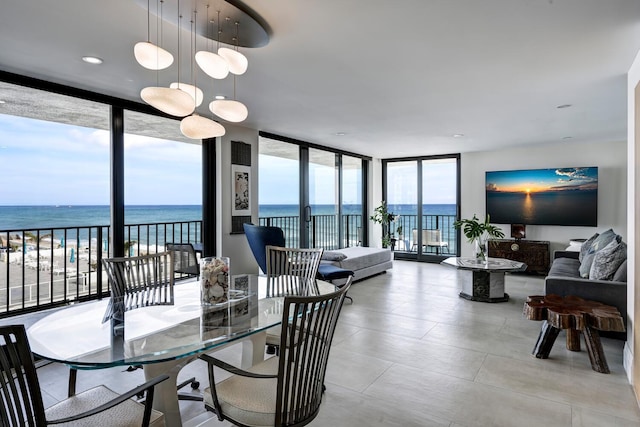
<point x="575" y="315"/>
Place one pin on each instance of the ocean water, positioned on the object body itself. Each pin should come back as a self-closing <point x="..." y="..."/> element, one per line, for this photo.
<point x="33" y="217"/>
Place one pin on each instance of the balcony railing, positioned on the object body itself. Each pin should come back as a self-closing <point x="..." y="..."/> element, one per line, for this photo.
<point x="43" y="268"/>
<point x="323" y="230"/>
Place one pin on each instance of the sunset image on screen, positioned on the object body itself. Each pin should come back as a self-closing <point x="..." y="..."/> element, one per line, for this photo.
<point x="562" y="196"/>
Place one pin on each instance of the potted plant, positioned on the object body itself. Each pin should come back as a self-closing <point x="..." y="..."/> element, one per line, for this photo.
<point x="479" y="233"/>
<point x="382" y="216"/>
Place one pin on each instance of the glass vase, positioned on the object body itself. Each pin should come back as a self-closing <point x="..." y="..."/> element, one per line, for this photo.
<point x="481" y="249"/>
<point x="214" y="280"/>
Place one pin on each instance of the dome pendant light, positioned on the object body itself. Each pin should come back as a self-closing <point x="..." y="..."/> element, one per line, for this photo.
<point x="238" y="63"/>
<point x="149" y="55"/>
<point x="195" y="126"/>
<point x="213" y="64"/>
<point x="174" y="102"/>
<point x="229" y="110"/>
<point x="198" y="127"/>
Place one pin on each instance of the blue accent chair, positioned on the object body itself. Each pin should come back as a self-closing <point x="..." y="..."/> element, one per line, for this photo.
<point x="259" y="237"/>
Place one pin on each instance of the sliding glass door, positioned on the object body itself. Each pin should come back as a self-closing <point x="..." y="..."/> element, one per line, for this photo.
<point x="424" y="194"/>
<point x="314" y="194"/>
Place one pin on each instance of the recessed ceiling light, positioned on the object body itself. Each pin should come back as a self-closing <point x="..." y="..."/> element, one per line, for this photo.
<point x="341" y="133"/>
<point x="564" y="106"/>
<point x="92" y="59"/>
<point x="458" y="135"/>
<point x="567" y="137"/>
<point x="2" y="102"/>
<point x="221" y="97"/>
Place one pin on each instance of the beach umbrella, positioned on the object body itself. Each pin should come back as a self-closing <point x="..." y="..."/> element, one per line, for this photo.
<point x="24" y="247"/>
<point x="62" y="242"/>
<point x="72" y="258"/>
<point x="104" y="244"/>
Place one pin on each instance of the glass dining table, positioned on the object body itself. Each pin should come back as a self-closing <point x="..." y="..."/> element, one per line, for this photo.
<point x="163" y="338"/>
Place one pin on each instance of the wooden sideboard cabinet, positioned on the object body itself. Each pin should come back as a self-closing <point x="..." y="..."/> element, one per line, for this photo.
<point x="534" y="253"/>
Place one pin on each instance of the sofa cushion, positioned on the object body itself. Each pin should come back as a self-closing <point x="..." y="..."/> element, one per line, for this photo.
<point x="333" y="256"/>
<point x="621" y="273"/>
<point x="584" y="249"/>
<point x="565" y="267"/>
<point x="600" y="242"/>
<point x="607" y="260"/>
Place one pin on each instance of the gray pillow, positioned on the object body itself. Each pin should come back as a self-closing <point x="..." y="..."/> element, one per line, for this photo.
<point x="621" y="272"/>
<point x="584" y="249"/>
<point x="598" y="243"/>
<point x="607" y="260"/>
<point x="333" y="256"/>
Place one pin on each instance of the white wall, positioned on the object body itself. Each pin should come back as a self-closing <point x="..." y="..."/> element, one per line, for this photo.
<point x="235" y="246"/>
<point x="633" y="207"/>
<point x="609" y="157"/>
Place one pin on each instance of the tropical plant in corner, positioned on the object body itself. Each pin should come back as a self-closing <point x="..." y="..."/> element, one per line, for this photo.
<point x="382" y="216"/>
<point x="479" y="233"/>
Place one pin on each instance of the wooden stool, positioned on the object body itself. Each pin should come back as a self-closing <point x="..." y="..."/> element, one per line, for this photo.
<point x="576" y="315"/>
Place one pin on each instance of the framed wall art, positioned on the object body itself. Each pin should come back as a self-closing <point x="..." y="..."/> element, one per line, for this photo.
<point x="241" y="190"/>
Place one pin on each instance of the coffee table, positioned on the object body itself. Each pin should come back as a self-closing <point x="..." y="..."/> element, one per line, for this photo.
<point x="486" y="278"/>
<point x="576" y="315"/>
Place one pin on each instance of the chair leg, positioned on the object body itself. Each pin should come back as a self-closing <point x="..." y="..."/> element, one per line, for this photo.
<point x="194" y="386"/>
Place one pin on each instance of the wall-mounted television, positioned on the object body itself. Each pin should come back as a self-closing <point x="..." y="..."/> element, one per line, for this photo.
<point x="563" y="196"/>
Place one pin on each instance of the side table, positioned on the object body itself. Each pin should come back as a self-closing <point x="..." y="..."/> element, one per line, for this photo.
<point x="576" y="315"/>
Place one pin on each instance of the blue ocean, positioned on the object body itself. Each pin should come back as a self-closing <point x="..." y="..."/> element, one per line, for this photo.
<point x="33" y="217"/>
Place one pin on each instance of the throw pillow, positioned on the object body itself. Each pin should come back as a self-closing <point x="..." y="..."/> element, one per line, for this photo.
<point x="333" y="256"/>
<point x="586" y="246"/>
<point x="607" y="260"/>
<point x="600" y="242"/>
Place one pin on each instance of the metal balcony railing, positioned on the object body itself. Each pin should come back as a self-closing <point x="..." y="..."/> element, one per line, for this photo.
<point x="44" y="268"/>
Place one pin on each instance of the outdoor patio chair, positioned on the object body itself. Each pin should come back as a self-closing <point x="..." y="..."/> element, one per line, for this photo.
<point x="285" y="390"/>
<point x="259" y="237"/>
<point x="185" y="260"/>
<point x="22" y="396"/>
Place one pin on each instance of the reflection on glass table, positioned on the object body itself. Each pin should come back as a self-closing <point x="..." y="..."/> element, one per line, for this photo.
<point x="162" y="338"/>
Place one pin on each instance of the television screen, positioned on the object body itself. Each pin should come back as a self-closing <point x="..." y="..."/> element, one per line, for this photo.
<point x="565" y="196"/>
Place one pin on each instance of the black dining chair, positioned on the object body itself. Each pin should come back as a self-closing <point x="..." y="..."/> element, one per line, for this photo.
<point x="22" y="403"/>
<point x="284" y="390"/>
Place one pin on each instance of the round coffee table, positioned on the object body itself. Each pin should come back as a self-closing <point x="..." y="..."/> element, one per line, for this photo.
<point x="486" y="281"/>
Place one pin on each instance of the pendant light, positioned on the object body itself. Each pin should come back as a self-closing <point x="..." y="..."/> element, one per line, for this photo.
<point x="213" y="64"/>
<point x="149" y="55"/>
<point x="238" y="63"/>
<point x="227" y="109"/>
<point x="195" y="126"/>
<point x="172" y="101"/>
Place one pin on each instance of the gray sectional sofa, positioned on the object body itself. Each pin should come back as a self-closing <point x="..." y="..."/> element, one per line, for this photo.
<point x="566" y="277"/>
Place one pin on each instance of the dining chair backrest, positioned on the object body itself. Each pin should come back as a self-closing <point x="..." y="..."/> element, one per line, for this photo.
<point x="259" y="237"/>
<point x="21" y="396"/>
<point x="184" y="259"/>
<point x="292" y="271"/>
<point x="140" y="281"/>
<point x="305" y="342"/>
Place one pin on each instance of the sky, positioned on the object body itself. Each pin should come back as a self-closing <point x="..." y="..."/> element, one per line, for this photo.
<point x="47" y="163"/>
<point x="537" y="180"/>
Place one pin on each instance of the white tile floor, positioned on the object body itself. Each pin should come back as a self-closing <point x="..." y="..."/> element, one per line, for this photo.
<point x="410" y="352"/>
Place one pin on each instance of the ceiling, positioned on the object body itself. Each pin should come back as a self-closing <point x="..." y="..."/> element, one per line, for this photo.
<point x="398" y="78"/>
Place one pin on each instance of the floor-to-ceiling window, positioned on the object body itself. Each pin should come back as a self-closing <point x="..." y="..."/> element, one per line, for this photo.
<point x="423" y="193"/>
<point x="163" y="184"/>
<point x="315" y="194"/>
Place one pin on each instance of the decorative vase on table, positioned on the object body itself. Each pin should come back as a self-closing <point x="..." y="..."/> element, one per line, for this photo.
<point x="214" y="280"/>
<point x="481" y="249"/>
